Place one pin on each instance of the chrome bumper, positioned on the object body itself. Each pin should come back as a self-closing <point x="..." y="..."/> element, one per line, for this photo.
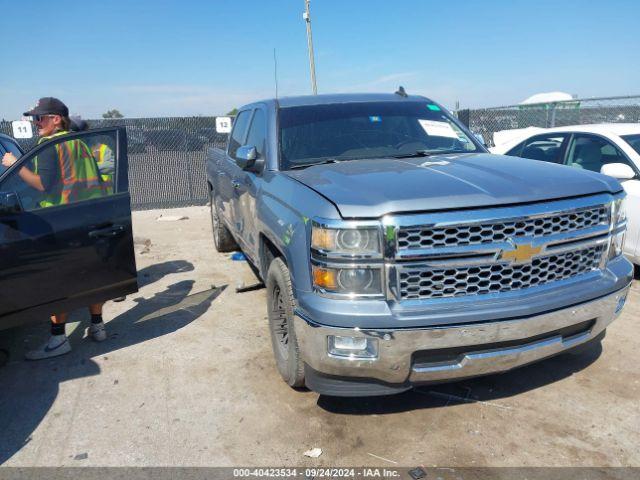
<point x="396" y="347"/>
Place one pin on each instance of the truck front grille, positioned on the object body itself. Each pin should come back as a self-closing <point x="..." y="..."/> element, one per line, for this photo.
<point x="423" y="283"/>
<point x="499" y="231"/>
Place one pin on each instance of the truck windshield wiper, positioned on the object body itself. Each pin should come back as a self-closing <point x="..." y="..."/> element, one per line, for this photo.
<point x="428" y="153"/>
<point x="417" y="153"/>
<point x="311" y="164"/>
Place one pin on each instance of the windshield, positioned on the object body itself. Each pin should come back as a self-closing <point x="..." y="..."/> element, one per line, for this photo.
<point x="349" y="131"/>
<point x="633" y="140"/>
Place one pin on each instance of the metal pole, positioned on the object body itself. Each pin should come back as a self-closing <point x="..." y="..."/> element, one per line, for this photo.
<point x="307" y="18"/>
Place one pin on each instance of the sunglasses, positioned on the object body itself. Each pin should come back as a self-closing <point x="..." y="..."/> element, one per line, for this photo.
<point x="37" y="118"/>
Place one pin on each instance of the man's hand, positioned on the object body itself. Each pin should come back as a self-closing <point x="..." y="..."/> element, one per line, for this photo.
<point x="9" y="159"/>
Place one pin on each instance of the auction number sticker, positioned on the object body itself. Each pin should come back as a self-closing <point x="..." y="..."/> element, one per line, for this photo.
<point x="22" y="129"/>
<point x="438" y="129"/>
<point x="223" y="124"/>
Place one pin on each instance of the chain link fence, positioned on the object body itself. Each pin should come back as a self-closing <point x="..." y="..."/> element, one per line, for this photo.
<point x="167" y="158"/>
<point x="487" y="121"/>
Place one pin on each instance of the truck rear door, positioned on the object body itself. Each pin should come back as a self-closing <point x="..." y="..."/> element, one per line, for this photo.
<point x="57" y="258"/>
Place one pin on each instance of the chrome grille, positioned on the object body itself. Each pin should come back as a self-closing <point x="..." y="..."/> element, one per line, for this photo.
<point x="476" y="234"/>
<point x="421" y="283"/>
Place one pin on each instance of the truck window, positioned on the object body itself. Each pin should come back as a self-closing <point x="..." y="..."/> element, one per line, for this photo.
<point x="239" y="129"/>
<point x="257" y="132"/>
<point x="351" y="131"/>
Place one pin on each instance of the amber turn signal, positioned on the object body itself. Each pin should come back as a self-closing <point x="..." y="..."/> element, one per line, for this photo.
<point x="324" y="278"/>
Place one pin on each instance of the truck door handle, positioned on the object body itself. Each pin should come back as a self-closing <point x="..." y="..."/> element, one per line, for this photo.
<point x="235" y="184"/>
<point x="108" y="232"/>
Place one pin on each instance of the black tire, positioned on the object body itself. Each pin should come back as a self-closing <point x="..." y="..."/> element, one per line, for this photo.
<point x="222" y="238"/>
<point x="280" y="307"/>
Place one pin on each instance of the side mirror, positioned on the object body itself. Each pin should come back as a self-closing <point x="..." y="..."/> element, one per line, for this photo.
<point x="619" y="171"/>
<point x="9" y="203"/>
<point x="480" y="138"/>
<point x="246" y="157"/>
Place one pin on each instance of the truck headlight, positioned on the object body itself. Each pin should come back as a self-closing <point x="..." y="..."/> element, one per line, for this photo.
<point x="348" y="281"/>
<point x="617" y="244"/>
<point x="618" y="219"/>
<point x="619" y="211"/>
<point x="346" y="241"/>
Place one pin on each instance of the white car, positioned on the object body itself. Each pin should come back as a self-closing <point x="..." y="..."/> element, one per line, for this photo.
<point x="612" y="149"/>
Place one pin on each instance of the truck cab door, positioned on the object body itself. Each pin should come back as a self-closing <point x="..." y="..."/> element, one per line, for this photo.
<point x="227" y="170"/>
<point x="56" y="258"/>
<point x="247" y="184"/>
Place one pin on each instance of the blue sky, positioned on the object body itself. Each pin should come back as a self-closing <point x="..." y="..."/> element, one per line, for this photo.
<point x="203" y="57"/>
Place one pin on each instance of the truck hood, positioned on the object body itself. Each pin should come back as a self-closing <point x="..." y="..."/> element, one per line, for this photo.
<point x="371" y="188"/>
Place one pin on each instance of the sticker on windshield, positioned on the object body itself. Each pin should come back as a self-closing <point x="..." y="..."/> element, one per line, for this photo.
<point x="437" y="129"/>
<point x="375" y="119"/>
<point x="433" y="107"/>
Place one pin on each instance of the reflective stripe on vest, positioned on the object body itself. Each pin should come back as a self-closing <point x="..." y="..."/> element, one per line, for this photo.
<point x="79" y="175"/>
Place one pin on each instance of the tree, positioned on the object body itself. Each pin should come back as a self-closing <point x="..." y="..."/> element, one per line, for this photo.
<point x="112" y="114"/>
<point x="233" y="112"/>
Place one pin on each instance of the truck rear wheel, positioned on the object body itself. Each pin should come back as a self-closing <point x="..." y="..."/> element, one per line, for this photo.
<point x="222" y="238"/>
<point x="280" y="307"/>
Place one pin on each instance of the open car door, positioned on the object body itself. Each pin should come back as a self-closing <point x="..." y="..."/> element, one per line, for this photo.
<point x="58" y="257"/>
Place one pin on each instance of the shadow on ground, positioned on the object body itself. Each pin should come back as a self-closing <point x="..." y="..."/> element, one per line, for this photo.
<point x="481" y="389"/>
<point x="29" y="389"/>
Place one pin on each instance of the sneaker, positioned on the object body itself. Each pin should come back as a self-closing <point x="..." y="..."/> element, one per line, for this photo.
<point x="55" y="346"/>
<point x="97" y="332"/>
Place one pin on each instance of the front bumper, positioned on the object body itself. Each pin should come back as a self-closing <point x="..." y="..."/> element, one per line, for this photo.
<point x="461" y="350"/>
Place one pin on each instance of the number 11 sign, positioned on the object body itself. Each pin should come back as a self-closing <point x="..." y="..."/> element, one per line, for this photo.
<point x="22" y="129"/>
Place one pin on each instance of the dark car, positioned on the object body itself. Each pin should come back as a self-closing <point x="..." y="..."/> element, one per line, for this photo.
<point x="63" y="257"/>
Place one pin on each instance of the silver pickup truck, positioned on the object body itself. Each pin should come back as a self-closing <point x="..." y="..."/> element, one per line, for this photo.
<point x="396" y="251"/>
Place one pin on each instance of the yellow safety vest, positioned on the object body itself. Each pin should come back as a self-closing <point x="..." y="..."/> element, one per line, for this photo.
<point x="79" y="174"/>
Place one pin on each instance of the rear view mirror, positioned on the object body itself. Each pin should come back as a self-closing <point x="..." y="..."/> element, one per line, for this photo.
<point x="9" y="203"/>
<point x="619" y="171"/>
<point x="246" y="156"/>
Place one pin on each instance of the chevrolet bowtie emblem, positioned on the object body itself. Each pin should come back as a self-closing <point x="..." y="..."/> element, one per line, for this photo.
<point x="521" y="254"/>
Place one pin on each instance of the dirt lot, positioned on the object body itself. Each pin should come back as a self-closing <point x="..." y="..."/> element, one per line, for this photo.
<point x="187" y="378"/>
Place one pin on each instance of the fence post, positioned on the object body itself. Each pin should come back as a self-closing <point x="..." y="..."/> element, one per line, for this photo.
<point x="463" y="116"/>
<point x="552" y="123"/>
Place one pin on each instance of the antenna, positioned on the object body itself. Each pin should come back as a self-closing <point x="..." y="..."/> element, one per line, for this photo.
<point x="312" y="66"/>
<point x="275" y="71"/>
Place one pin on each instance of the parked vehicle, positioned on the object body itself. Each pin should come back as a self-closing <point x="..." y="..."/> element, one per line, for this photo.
<point x="612" y="149"/>
<point x="396" y="251"/>
<point x="60" y="258"/>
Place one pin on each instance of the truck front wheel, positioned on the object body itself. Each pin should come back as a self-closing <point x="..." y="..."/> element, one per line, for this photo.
<point x="280" y="307"/>
<point x="222" y="238"/>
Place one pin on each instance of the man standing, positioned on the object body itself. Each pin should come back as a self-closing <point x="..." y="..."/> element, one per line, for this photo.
<point x="63" y="174"/>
